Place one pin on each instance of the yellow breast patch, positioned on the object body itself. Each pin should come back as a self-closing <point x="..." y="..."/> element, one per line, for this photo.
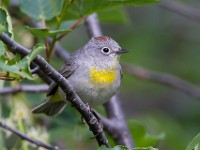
<point x="102" y="76"/>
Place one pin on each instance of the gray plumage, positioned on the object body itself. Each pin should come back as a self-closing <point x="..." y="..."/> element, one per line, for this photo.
<point x="100" y="53"/>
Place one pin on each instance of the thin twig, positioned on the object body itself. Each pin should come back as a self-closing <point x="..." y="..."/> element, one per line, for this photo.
<point x="7" y="79"/>
<point x="24" y="88"/>
<point x="181" y="9"/>
<point x="116" y="124"/>
<point x="71" y="28"/>
<point x="71" y="96"/>
<point x="163" y="78"/>
<point x="27" y="138"/>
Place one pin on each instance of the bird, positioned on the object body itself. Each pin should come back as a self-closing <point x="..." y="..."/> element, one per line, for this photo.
<point x="93" y="71"/>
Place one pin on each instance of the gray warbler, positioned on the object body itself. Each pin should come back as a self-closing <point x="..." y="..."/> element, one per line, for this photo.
<point x="93" y="71"/>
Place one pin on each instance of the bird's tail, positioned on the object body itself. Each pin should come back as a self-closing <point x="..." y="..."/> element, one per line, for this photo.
<point x="50" y="108"/>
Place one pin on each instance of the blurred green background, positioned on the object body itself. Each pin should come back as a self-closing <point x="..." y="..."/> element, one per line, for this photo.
<point x="159" y="40"/>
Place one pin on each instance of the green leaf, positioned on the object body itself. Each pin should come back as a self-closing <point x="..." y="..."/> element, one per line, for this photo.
<point x="114" y="15"/>
<point x="86" y="7"/>
<point x="67" y="24"/>
<point x="5" y="22"/>
<point x="41" y="9"/>
<point x="195" y="143"/>
<point x="17" y="68"/>
<point x="45" y="32"/>
<point x="145" y="148"/>
<point x="37" y="49"/>
<point x="141" y="136"/>
<point x="119" y="147"/>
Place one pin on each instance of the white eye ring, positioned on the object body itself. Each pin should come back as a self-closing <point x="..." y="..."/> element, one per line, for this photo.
<point x="105" y="50"/>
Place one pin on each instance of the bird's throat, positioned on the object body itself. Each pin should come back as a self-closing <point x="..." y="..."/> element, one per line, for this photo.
<point x="102" y="76"/>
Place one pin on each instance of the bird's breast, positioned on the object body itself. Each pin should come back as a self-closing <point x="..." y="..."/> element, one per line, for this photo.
<point x="95" y="85"/>
<point x="102" y="76"/>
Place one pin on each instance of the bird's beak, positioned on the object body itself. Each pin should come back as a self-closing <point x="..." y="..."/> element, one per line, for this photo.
<point x="121" y="51"/>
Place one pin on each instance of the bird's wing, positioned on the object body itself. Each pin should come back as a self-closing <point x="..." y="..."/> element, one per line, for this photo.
<point x="66" y="71"/>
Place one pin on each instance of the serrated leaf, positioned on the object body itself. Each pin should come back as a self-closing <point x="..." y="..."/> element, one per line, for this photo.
<point x="5" y="22"/>
<point x="16" y="68"/>
<point x="41" y="9"/>
<point x="45" y="32"/>
<point x="114" y="15"/>
<point x="141" y="136"/>
<point x="86" y="7"/>
<point x="195" y="143"/>
<point x="119" y="147"/>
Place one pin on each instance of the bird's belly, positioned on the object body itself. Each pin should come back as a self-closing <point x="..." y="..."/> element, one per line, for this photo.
<point x="94" y="93"/>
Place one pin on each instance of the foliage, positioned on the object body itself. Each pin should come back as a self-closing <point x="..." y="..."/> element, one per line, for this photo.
<point x="141" y="136"/>
<point x="41" y="9"/>
<point x="5" y="22"/>
<point x="20" y="118"/>
<point x="5" y="26"/>
<point x="17" y="68"/>
<point x="159" y="41"/>
<point x="125" y="148"/>
<point x="45" y="32"/>
<point x="194" y="144"/>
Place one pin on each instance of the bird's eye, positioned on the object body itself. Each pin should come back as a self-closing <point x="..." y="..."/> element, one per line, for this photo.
<point x="105" y="50"/>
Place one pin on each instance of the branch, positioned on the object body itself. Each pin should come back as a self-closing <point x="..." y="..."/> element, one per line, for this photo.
<point x="116" y="124"/>
<point x="27" y="138"/>
<point x="163" y="78"/>
<point x="92" y="25"/>
<point x="181" y="9"/>
<point x="71" y="96"/>
<point x="24" y="88"/>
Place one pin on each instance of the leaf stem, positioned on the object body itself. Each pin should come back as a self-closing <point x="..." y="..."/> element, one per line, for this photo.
<point x="72" y="27"/>
<point x="59" y="21"/>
